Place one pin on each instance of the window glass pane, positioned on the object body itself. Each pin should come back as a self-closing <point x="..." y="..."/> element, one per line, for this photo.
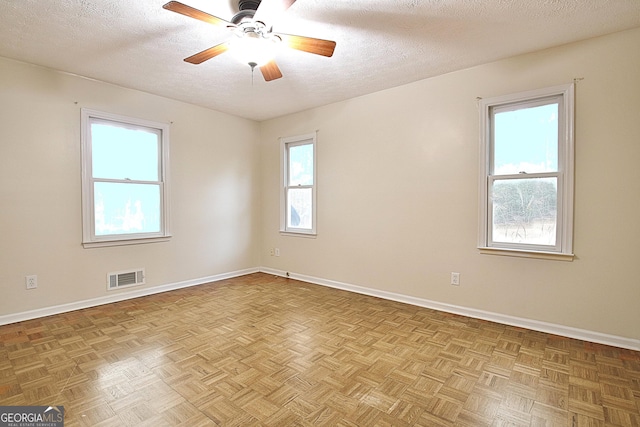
<point x="121" y="153"/>
<point x="525" y="211"/>
<point x="299" y="209"/>
<point x="301" y="164"/>
<point x="526" y="140"/>
<point x="122" y="208"/>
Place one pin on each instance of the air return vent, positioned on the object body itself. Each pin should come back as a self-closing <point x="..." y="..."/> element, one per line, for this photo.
<point x="124" y="279"/>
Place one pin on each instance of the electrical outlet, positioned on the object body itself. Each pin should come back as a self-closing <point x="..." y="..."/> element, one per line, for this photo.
<point x="31" y="281"/>
<point x="271" y="251"/>
<point x="455" y="279"/>
<point x="277" y="251"/>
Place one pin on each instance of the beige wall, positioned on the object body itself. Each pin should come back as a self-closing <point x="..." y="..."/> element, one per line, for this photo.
<point x="397" y="192"/>
<point x="213" y="191"/>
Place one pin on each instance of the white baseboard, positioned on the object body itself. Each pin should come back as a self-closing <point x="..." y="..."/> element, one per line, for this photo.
<point x="551" y="328"/>
<point x="120" y="296"/>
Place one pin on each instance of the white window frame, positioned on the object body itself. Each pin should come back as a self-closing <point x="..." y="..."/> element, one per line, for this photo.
<point x="89" y="238"/>
<point x="563" y="250"/>
<point x="285" y="144"/>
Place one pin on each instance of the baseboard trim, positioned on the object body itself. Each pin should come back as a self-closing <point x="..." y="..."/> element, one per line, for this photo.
<point x="536" y="325"/>
<point x="120" y="296"/>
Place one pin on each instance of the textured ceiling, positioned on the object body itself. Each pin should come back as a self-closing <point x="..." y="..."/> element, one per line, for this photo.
<point x="380" y="44"/>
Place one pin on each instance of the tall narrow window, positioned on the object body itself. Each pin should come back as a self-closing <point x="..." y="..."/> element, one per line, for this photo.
<point x="526" y="191"/>
<point x="124" y="185"/>
<point x="298" y="197"/>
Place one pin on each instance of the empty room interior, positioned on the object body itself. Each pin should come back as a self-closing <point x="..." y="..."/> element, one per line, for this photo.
<point x="410" y="214"/>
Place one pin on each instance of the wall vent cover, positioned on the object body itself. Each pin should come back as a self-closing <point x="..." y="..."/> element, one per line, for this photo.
<point x="124" y="279"/>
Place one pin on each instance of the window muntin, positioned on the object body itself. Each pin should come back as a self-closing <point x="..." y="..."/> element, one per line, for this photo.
<point x="125" y="194"/>
<point x="298" y="204"/>
<point x="527" y="172"/>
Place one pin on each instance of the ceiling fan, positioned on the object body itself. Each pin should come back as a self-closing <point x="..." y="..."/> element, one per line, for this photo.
<point x="254" y="40"/>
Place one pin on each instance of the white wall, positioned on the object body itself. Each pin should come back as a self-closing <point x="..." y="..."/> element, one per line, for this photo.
<point x="397" y="192"/>
<point x="214" y="191"/>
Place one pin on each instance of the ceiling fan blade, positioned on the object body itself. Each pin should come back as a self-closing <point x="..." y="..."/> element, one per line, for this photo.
<point x="309" y="44"/>
<point x="270" y="9"/>
<point x="207" y="54"/>
<point x="270" y="71"/>
<point x="183" y="9"/>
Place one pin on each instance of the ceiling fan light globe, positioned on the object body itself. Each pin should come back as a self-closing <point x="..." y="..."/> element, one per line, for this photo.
<point x="251" y="47"/>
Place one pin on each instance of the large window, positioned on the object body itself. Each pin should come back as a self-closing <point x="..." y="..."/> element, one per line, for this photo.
<point x="298" y="196"/>
<point x="124" y="180"/>
<point x="526" y="172"/>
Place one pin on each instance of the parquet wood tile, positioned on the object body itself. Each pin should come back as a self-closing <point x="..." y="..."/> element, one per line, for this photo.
<point x="260" y="350"/>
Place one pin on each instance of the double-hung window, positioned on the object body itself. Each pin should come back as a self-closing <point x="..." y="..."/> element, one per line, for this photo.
<point x="298" y="177"/>
<point x="526" y="173"/>
<point x="124" y="180"/>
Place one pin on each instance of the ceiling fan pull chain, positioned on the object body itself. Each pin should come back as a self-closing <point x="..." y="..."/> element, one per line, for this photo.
<point x="253" y="67"/>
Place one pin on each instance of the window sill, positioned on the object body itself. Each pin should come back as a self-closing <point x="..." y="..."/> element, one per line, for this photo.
<point x="295" y="234"/>
<point x="527" y="254"/>
<point x="106" y="243"/>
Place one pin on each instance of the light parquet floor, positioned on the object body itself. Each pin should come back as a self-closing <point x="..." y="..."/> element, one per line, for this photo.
<point x="260" y="350"/>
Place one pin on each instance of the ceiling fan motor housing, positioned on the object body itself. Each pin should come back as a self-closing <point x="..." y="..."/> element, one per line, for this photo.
<point x="247" y="8"/>
<point x="248" y="4"/>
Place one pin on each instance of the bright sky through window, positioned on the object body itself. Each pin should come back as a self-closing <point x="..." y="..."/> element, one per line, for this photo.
<point x="526" y="140"/>
<point x="301" y="165"/>
<point x="121" y="153"/>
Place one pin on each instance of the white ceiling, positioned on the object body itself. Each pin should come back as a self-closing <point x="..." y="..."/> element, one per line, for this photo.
<point x="380" y="44"/>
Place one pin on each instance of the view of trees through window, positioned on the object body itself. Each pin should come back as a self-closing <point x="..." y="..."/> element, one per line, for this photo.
<point x="525" y="211"/>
